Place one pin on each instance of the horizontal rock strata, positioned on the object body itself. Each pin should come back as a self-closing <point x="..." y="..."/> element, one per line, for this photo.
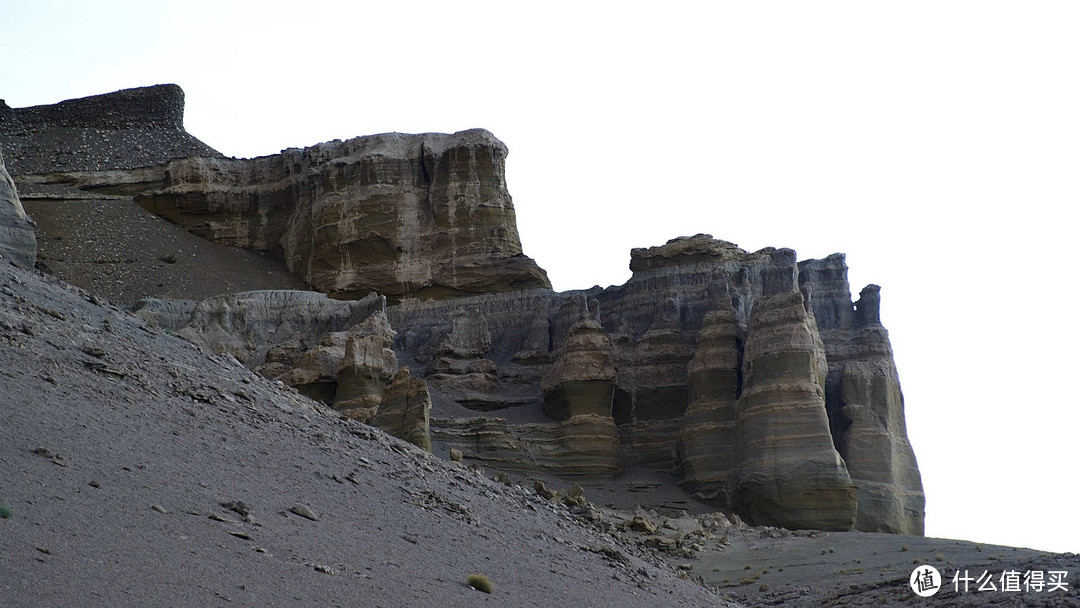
<point x="399" y="214"/>
<point x="788" y="472"/>
<point x="755" y="380"/>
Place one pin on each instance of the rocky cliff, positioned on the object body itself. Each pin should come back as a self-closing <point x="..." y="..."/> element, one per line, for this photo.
<point x="751" y="376"/>
<point x="422" y="215"/>
<point x="17" y="240"/>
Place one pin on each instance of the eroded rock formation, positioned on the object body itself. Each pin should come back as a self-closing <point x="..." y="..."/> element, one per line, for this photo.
<point x="425" y="215"/>
<point x="17" y="240"/>
<point x="865" y="404"/>
<point x="788" y="470"/>
<point x="334" y="351"/>
<point x="755" y="380"/>
<point x="707" y="435"/>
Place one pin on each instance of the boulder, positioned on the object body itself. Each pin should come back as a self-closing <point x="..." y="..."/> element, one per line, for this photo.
<point x="404" y="408"/>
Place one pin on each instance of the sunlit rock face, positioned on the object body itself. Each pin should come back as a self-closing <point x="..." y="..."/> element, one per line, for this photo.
<point x="422" y="215"/>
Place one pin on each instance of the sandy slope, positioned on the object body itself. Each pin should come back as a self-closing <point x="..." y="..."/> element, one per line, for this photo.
<point x="119" y="445"/>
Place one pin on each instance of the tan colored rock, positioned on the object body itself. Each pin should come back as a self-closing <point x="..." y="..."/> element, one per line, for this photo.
<point x="707" y="437"/>
<point x="404" y="410"/>
<point x="426" y="215"/>
<point x="789" y="474"/>
<point x="585" y="446"/>
<point x="875" y="444"/>
<point x="582" y="379"/>
<point x="366" y="366"/>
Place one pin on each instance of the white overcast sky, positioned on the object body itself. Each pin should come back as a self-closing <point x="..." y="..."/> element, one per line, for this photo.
<point x="936" y="143"/>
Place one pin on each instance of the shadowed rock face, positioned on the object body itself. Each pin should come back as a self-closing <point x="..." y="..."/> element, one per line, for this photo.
<point x="17" y="240"/>
<point x="425" y="215"/>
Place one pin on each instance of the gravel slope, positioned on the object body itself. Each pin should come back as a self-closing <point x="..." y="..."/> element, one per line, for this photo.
<point x="125" y="452"/>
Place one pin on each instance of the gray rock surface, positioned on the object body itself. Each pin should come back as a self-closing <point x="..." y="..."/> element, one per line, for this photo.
<point x="865" y="403"/>
<point x="127" y="129"/>
<point x="17" y="240"/>
<point x="191" y="499"/>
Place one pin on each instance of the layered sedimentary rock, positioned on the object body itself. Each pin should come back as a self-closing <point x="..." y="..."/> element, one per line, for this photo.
<point x="773" y="398"/>
<point x="365" y="368"/>
<point x="17" y="240"/>
<point x="866" y="405"/>
<point x="404" y="409"/>
<point x="578" y="391"/>
<point x="582" y="379"/>
<point x="708" y="432"/>
<point x="789" y="472"/>
<point x="399" y="214"/>
<point x="580" y="447"/>
<point x="338" y="352"/>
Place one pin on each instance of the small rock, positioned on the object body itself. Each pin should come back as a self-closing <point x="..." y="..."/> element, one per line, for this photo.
<point x="95" y="483"/>
<point x="325" y="569"/>
<point x="44" y="550"/>
<point x="158" y="508"/>
<point x="643" y="525"/>
<point x="543" y="492"/>
<point x="305" y="511"/>
<point x="238" y="506"/>
<point x="456" y="455"/>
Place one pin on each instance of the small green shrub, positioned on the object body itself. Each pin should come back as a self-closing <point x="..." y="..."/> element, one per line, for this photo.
<point x="6" y="512"/>
<point x="480" y="583"/>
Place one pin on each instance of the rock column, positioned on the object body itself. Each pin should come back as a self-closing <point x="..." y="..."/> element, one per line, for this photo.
<point x="789" y="473"/>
